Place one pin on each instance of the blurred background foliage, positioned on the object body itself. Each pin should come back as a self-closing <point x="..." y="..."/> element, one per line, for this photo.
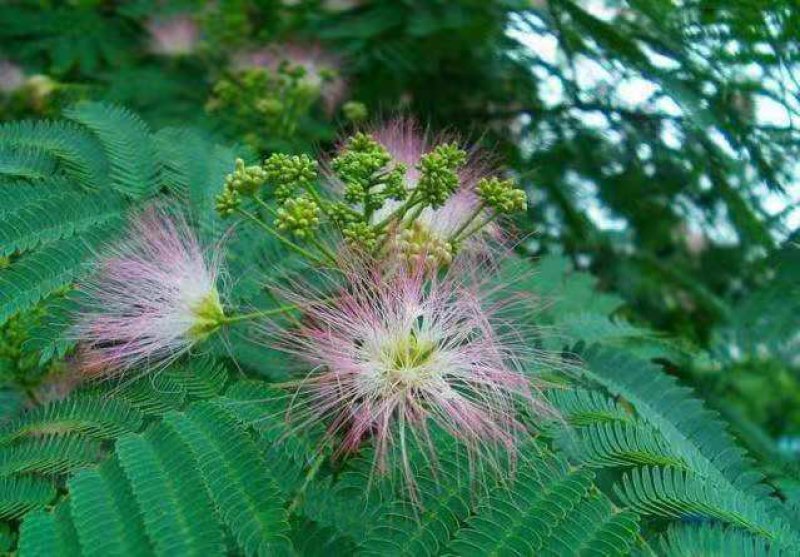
<point x="657" y="140"/>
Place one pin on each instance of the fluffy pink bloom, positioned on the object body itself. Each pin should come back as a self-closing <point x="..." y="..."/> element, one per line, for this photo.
<point x="11" y="77"/>
<point x="177" y="35"/>
<point x="397" y="352"/>
<point x="322" y="67"/>
<point x="153" y="296"/>
<point x="406" y="143"/>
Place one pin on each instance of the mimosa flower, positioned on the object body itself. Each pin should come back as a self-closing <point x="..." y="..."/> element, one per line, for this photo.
<point x="173" y="36"/>
<point x="395" y="353"/>
<point x="11" y="77"/>
<point x="153" y="297"/>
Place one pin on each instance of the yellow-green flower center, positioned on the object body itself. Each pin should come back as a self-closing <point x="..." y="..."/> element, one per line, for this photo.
<point x="208" y="315"/>
<point x="407" y="360"/>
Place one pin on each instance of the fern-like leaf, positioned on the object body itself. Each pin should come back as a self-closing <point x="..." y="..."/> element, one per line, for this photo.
<point x="127" y="143"/>
<point x="48" y="455"/>
<point x="38" y="274"/>
<point x="520" y="519"/>
<point x="105" y="514"/>
<point x="249" y="500"/>
<point x="20" y="494"/>
<point x="692" y="432"/>
<point x="92" y="416"/>
<point x="26" y="163"/>
<point x="78" y="150"/>
<point x="179" y="517"/>
<point x="49" y="533"/>
<point x="55" y="217"/>
<point x="704" y="540"/>
<point x="674" y="493"/>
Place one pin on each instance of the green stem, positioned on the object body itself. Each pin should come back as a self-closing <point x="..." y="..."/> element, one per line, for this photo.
<point x="288" y="243"/>
<point x="399" y="213"/>
<point x="470" y="220"/>
<point x="257" y="314"/>
<point x="310" y="475"/>
<point x="265" y="205"/>
<point x="477" y="228"/>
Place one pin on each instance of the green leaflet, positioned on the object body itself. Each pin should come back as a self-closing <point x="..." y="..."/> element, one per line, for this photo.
<point x="546" y="502"/>
<point x="127" y="143"/>
<point x="19" y="494"/>
<point x="178" y="517"/>
<point x="26" y="163"/>
<point x="38" y="274"/>
<point x="54" y="217"/>
<point x="48" y="455"/>
<point x="713" y="541"/>
<point x="80" y="153"/>
<point x="49" y="533"/>
<point x="102" y="418"/>
<point x="251" y="504"/>
<point x="105" y="514"/>
<point x="674" y="493"/>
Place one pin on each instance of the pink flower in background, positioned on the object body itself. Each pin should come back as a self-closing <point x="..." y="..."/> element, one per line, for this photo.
<point x="406" y="143"/>
<point x="11" y="77"/>
<point x="153" y="296"/>
<point x="322" y="68"/>
<point x="177" y="35"/>
<point x="395" y="352"/>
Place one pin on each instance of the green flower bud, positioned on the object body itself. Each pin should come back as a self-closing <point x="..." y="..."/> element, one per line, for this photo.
<point x="502" y="195"/>
<point x="418" y="246"/>
<point x="245" y="180"/>
<point x="358" y="164"/>
<point x="355" y="111"/>
<point x="227" y="202"/>
<point x="439" y="173"/>
<point x="395" y="183"/>
<point x="341" y="214"/>
<point x="360" y="234"/>
<point x="289" y="173"/>
<point x="298" y="215"/>
<point x="269" y="106"/>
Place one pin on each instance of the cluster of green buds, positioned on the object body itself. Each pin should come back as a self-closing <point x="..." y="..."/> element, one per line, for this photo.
<point x="243" y="181"/>
<point x="418" y="246"/>
<point x="298" y="215"/>
<point x="288" y="174"/>
<point x="439" y="173"/>
<point x="370" y="179"/>
<point x="503" y="196"/>
<point x="272" y="100"/>
<point x="370" y="200"/>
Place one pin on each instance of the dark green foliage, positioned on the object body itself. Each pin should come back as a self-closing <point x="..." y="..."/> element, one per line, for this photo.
<point x="105" y="514"/>
<point x="98" y="417"/>
<point x="127" y="144"/>
<point x="549" y="510"/>
<point x="713" y="541"/>
<point x="178" y="517"/>
<point x="20" y="494"/>
<point x="76" y="148"/>
<point x="672" y="493"/>
<point x="48" y="455"/>
<point x="49" y="533"/>
<point x="250" y="504"/>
